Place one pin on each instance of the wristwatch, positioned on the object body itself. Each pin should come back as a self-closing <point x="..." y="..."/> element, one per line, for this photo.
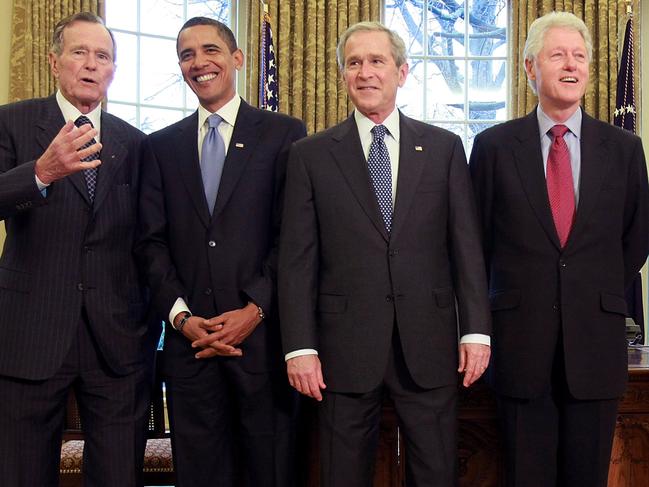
<point x="182" y="322"/>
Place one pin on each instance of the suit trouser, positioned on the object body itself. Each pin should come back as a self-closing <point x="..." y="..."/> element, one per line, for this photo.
<point x="113" y="411"/>
<point x="231" y="427"/>
<point x="556" y="440"/>
<point x="349" y="430"/>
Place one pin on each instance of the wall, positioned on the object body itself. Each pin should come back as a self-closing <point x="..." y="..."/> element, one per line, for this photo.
<point x="5" y="36"/>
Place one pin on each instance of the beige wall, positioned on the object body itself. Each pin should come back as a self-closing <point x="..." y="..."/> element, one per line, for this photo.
<point x="5" y="35"/>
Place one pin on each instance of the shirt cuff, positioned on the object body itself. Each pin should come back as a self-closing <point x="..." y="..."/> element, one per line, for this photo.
<point x="476" y="338"/>
<point x="179" y="307"/>
<point x="41" y="185"/>
<point x="300" y="352"/>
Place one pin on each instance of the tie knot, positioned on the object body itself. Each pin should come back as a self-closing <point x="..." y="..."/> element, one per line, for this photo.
<point x="379" y="131"/>
<point x="83" y="120"/>
<point x="214" y="120"/>
<point x="558" y="131"/>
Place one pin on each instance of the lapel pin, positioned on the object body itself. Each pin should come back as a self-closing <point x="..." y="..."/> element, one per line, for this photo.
<point x="419" y="148"/>
<point x="239" y="145"/>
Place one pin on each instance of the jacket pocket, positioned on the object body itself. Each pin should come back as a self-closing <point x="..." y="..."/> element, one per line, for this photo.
<point x="613" y="303"/>
<point x="508" y="299"/>
<point x="14" y="280"/>
<point x="331" y="303"/>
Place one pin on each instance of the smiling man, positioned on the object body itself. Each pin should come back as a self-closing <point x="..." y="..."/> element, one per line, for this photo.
<point x="73" y="308"/>
<point x="211" y="196"/>
<point x="565" y="216"/>
<point x="379" y="254"/>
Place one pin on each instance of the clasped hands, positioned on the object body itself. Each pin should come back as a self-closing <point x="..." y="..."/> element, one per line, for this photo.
<point x="221" y="334"/>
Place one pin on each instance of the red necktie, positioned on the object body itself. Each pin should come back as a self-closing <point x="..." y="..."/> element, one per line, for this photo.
<point x="561" y="191"/>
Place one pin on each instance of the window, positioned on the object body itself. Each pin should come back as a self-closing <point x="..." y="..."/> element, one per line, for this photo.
<point x="148" y="90"/>
<point x="458" y="69"/>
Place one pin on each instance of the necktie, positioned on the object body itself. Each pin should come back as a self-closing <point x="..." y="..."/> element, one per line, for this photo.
<point x="561" y="191"/>
<point x="212" y="159"/>
<point x="378" y="163"/>
<point x="90" y="174"/>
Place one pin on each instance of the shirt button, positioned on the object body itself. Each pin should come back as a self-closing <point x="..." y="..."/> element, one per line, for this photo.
<point x="211" y="243"/>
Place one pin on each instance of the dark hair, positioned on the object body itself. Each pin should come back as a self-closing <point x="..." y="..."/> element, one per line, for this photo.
<point x="223" y="30"/>
<point x="57" y="37"/>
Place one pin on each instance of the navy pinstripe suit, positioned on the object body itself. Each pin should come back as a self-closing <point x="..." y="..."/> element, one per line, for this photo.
<point x="72" y="310"/>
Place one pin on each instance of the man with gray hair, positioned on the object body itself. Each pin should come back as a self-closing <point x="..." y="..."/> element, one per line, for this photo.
<point x="73" y="310"/>
<point x="564" y="206"/>
<point x="379" y="252"/>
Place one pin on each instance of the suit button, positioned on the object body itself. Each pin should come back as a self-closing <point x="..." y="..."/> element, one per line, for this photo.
<point x="555" y="307"/>
<point x="80" y="287"/>
<point x="562" y="263"/>
<point x="393" y="253"/>
<point x="211" y="243"/>
<point x="389" y="298"/>
<point x="207" y="291"/>
<point x="87" y="249"/>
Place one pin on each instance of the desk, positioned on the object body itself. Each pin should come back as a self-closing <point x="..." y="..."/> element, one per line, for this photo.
<point x="480" y="458"/>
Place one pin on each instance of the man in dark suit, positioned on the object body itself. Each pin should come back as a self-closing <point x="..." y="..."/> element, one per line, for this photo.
<point x="368" y="294"/>
<point x="73" y="310"/>
<point x="209" y="247"/>
<point x="564" y="205"/>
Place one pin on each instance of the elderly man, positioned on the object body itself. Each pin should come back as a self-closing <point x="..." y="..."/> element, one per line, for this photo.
<point x="72" y="306"/>
<point x="379" y="253"/>
<point x="564" y="206"/>
<point x="210" y="208"/>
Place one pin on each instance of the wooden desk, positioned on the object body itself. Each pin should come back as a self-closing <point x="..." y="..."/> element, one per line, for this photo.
<point x="480" y="458"/>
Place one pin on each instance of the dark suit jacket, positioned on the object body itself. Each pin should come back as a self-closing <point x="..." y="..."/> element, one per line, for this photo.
<point x="63" y="253"/>
<point x="541" y="294"/>
<point x="344" y="282"/>
<point x="216" y="263"/>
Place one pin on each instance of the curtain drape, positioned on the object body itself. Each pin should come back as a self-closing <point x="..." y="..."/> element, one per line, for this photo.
<point x="33" y="22"/>
<point x="305" y="35"/>
<point x="605" y="21"/>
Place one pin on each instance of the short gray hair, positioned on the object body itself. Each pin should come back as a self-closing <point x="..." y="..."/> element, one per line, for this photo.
<point x="538" y="29"/>
<point x="396" y="42"/>
<point x="57" y="37"/>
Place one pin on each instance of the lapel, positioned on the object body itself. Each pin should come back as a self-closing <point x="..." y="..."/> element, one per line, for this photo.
<point x="348" y="155"/>
<point x="186" y="157"/>
<point x="529" y="163"/>
<point x="244" y="141"/>
<point x="113" y="156"/>
<point x="411" y="165"/>
<point x="595" y="161"/>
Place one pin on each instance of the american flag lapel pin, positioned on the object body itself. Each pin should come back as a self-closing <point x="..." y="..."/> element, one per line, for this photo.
<point x="239" y="145"/>
<point x="419" y="148"/>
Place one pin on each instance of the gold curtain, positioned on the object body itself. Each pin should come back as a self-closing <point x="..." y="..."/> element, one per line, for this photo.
<point x="305" y="35"/>
<point x="605" y="21"/>
<point x="33" y="23"/>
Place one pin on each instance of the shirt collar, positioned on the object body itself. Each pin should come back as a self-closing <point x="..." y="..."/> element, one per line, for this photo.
<point x="546" y="123"/>
<point x="70" y="112"/>
<point x="228" y="112"/>
<point x="365" y="125"/>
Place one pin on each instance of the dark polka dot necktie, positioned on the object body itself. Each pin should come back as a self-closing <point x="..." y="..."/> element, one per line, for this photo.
<point x="378" y="163"/>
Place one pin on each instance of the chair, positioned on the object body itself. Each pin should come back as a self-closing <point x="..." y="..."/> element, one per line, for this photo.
<point x="158" y="465"/>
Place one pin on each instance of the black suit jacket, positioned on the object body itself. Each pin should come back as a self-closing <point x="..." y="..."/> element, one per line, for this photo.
<point x="63" y="253"/>
<point x="216" y="263"/>
<point x="542" y="295"/>
<point x="344" y="281"/>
